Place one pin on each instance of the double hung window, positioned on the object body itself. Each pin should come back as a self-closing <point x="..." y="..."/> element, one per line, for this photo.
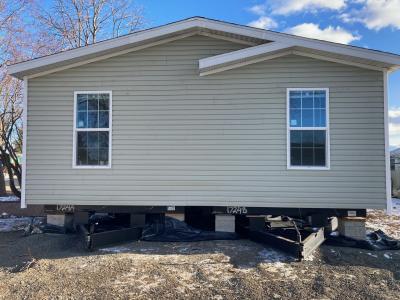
<point x="308" y="130"/>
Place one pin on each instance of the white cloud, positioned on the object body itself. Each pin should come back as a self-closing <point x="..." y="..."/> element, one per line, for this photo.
<point x="330" y="33"/>
<point x="259" y="9"/>
<point x="394" y="113"/>
<point x="264" y="22"/>
<point x="394" y="126"/>
<point x="286" y="7"/>
<point x="376" y="14"/>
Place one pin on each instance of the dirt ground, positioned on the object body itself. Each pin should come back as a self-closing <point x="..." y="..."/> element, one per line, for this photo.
<point x="239" y="269"/>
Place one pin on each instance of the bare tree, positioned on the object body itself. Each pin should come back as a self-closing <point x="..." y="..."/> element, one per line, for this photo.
<point x="77" y="23"/>
<point x="11" y="30"/>
<point x="17" y="43"/>
<point x="11" y="129"/>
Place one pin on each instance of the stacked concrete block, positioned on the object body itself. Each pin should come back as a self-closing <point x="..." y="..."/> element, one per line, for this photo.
<point x="225" y="223"/>
<point x="62" y="220"/>
<point x="352" y="227"/>
<point x="178" y="216"/>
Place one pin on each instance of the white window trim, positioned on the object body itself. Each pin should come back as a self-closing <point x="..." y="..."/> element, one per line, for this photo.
<point x="328" y="144"/>
<point x="75" y="130"/>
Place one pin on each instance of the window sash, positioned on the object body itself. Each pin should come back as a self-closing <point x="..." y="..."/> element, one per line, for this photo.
<point x="77" y="129"/>
<point x="325" y="128"/>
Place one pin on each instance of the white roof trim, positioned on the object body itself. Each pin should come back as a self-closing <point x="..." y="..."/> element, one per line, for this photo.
<point x="242" y="63"/>
<point x="244" y="57"/>
<point x="49" y="62"/>
<point x="215" y="61"/>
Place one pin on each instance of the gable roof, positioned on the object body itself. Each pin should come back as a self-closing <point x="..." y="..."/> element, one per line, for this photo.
<point x="261" y="42"/>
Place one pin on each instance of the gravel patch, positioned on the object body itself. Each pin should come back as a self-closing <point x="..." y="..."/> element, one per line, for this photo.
<point x="239" y="269"/>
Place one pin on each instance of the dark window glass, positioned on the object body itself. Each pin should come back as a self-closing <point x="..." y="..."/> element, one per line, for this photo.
<point x="308" y="148"/>
<point x="93" y="111"/>
<point x="295" y="138"/>
<point x="93" y="102"/>
<point x="103" y="119"/>
<point x="104" y="102"/>
<point x="82" y="102"/>
<point x="295" y="156"/>
<point x="92" y="148"/>
<point x="82" y="119"/>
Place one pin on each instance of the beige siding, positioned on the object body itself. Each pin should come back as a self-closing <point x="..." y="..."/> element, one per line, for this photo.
<point x="181" y="139"/>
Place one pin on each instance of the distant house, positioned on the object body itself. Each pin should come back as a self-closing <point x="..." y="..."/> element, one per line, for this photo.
<point x="395" y="171"/>
<point x="204" y="113"/>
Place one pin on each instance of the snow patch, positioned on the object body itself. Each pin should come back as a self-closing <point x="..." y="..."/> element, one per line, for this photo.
<point x="9" y="199"/>
<point x="14" y="224"/>
<point x="387" y="255"/>
<point x="273" y="256"/>
<point x="115" y="249"/>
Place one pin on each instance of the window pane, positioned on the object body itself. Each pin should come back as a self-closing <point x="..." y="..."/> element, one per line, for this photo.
<point x="295" y="94"/>
<point x="295" y="157"/>
<point x="307" y="118"/>
<point x="295" y="103"/>
<point x="307" y="99"/>
<point x="307" y="156"/>
<point x="295" y="118"/>
<point x="310" y="106"/>
<point x="93" y="156"/>
<point x="319" y="138"/>
<point x="319" y="101"/>
<point x="93" y="119"/>
<point x="319" y="118"/>
<point x="307" y="138"/>
<point x="93" y="102"/>
<point x="103" y="119"/>
<point x="104" y="102"/>
<point x="82" y="139"/>
<point x="93" y="139"/>
<point x="82" y="102"/>
<point x="103" y="139"/>
<point x="82" y="120"/>
<point x="319" y="156"/>
<point x="295" y="138"/>
<point x="308" y="147"/>
<point x="103" y="156"/>
<point x="81" y="156"/>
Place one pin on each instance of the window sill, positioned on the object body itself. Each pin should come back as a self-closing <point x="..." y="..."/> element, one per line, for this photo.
<point x="91" y="167"/>
<point x="309" y="168"/>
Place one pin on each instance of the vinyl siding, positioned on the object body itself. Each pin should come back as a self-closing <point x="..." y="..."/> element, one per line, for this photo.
<point x="182" y="139"/>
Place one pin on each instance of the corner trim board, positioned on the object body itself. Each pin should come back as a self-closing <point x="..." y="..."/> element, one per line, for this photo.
<point x="387" y="153"/>
<point x="24" y="140"/>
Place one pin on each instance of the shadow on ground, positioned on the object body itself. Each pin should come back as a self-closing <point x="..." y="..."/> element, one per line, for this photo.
<point x="16" y="249"/>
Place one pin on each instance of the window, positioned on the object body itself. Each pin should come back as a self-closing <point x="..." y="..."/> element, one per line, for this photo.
<point x="308" y="130"/>
<point x="92" y="130"/>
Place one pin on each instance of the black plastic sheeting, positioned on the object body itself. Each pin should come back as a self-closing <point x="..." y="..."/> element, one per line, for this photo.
<point x="173" y="230"/>
<point x="375" y="240"/>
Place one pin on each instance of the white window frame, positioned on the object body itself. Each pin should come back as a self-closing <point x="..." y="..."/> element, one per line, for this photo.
<point x="326" y="128"/>
<point x="75" y="130"/>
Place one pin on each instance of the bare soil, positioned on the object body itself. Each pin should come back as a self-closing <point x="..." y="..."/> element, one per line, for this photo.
<point x="60" y="268"/>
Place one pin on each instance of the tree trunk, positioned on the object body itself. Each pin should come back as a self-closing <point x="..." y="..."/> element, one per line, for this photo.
<point x="3" y="191"/>
<point x="5" y="158"/>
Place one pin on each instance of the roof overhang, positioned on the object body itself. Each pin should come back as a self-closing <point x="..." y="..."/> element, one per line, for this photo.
<point x="253" y="37"/>
<point x="235" y="59"/>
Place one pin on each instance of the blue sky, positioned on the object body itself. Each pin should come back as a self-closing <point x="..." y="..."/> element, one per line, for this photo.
<point x="373" y="24"/>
